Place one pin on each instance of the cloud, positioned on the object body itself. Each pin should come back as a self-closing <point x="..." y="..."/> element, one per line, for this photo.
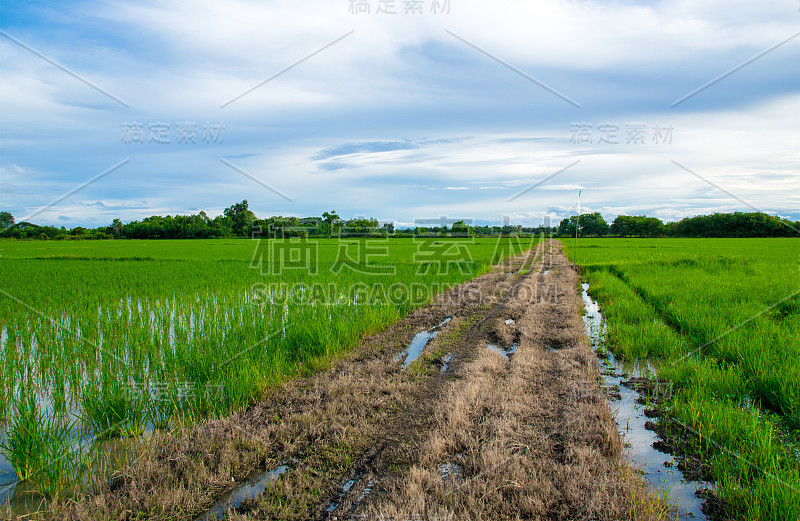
<point x="332" y="166"/>
<point x="367" y="147"/>
<point x="400" y="118"/>
<point x="562" y="187"/>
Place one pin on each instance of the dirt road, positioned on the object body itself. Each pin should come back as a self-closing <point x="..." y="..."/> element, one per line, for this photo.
<point x="516" y="431"/>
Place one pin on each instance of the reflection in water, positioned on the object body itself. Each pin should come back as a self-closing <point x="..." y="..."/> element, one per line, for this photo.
<point x="250" y="489"/>
<point x="446" y="362"/>
<point x="414" y="349"/>
<point x="507" y="353"/>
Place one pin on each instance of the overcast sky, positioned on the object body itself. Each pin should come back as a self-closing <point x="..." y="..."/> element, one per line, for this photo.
<point x="466" y="109"/>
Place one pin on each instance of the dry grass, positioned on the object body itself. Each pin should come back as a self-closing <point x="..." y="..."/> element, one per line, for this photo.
<point x="528" y="445"/>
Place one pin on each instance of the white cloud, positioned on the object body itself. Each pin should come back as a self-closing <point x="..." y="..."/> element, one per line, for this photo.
<point x="175" y="63"/>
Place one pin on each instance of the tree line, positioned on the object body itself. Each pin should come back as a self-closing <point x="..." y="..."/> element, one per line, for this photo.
<point x="737" y="224"/>
<point x="239" y="221"/>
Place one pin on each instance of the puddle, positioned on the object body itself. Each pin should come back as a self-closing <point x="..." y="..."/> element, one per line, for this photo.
<point x="364" y="493"/>
<point x="658" y="468"/>
<point x="414" y="349"/>
<point x="510" y="321"/>
<point x="345" y="488"/>
<point x="446" y="361"/>
<point x="449" y="471"/>
<point x="250" y="489"/>
<point x="502" y="350"/>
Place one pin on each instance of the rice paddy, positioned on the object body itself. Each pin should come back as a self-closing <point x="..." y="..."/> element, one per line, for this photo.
<point x="722" y="317"/>
<point x="112" y="339"/>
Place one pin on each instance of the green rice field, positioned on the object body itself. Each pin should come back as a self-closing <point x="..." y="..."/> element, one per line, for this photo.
<point x="720" y="318"/>
<point x="105" y="340"/>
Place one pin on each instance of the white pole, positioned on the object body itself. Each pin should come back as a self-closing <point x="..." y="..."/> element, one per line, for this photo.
<point x="577" y="223"/>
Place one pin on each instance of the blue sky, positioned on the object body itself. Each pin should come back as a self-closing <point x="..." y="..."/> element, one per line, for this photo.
<point x="406" y="116"/>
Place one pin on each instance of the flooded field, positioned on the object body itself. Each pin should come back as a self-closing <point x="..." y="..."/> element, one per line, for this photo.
<point x="719" y="322"/>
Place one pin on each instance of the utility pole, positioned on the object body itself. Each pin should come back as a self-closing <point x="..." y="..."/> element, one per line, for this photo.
<point x="577" y="224"/>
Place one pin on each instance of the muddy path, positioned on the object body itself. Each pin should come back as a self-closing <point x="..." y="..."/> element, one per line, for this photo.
<point x="463" y="432"/>
<point x="402" y="433"/>
<point x="522" y="433"/>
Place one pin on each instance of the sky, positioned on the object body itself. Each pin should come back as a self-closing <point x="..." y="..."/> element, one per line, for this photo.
<point x="399" y="110"/>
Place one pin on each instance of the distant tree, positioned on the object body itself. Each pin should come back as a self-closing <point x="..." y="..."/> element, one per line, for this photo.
<point x="637" y="226"/>
<point x="737" y="224"/>
<point x="623" y="226"/>
<point x="241" y="218"/>
<point x="331" y="220"/>
<point x="593" y="225"/>
<point x="590" y="225"/>
<point x="6" y="220"/>
<point x="566" y="228"/>
<point x="460" y="229"/>
<point x="116" y="227"/>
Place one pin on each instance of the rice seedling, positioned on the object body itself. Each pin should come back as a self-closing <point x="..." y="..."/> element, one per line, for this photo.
<point x="26" y="434"/>
<point x="720" y="316"/>
<point x="128" y="336"/>
<point x="39" y="445"/>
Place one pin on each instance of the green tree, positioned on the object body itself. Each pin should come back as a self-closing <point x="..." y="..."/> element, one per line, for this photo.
<point x="460" y="229"/>
<point x="592" y="225"/>
<point x="241" y="218"/>
<point x="566" y="228"/>
<point x="331" y="220"/>
<point x="737" y="224"/>
<point x="116" y="227"/>
<point x="6" y="220"/>
<point x="637" y="226"/>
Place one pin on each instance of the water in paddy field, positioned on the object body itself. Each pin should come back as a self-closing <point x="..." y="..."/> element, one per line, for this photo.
<point x="22" y="497"/>
<point x="659" y="469"/>
<point x="333" y="505"/>
<point x="25" y="497"/>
